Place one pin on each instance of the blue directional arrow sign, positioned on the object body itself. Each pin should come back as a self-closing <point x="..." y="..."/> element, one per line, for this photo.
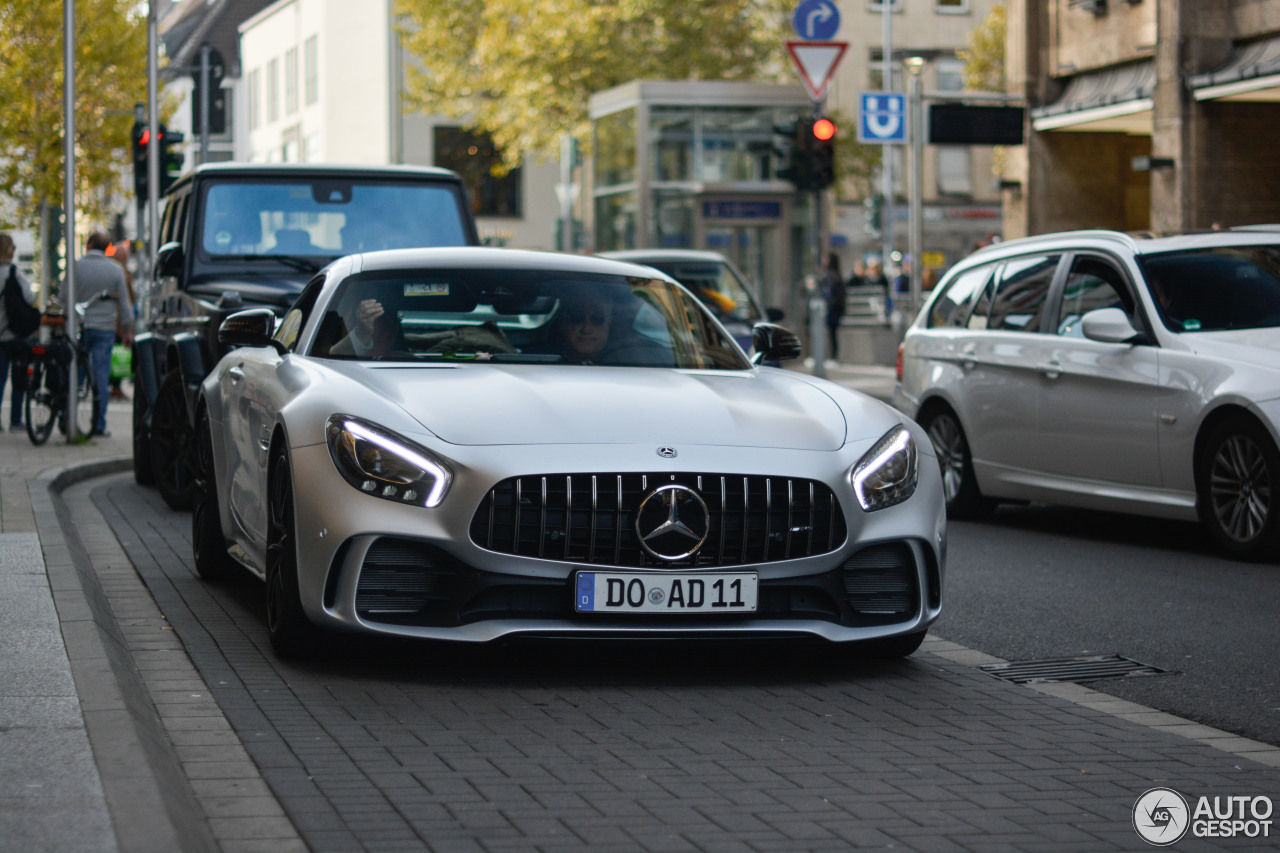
<point x="816" y="20"/>
<point x="882" y="117"/>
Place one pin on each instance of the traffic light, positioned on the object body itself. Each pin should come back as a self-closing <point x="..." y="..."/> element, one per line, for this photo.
<point x="140" y="136"/>
<point x="874" y="208"/>
<point x="822" y="172"/>
<point x="171" y="158"/>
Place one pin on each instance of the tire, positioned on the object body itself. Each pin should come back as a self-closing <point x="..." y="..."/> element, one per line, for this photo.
<point x="143" y="474"/>
<point x="41" y="409"/>
<point x="291" y="632"/>
<point x="959" y="485"/>
<point x="86" y="398"/>
<point x="1238" y="473"/>
<point x="171" y="444"/>
<point x="208" y="546"/>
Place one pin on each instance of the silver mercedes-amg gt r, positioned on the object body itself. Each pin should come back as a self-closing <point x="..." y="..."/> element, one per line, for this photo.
<point x="468" y="444"/>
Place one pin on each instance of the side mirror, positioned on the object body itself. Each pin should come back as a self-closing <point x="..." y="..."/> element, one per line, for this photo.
<point x="251" y="328"/>
<point x="1109" y="326"/>
<point x="775" y="314"/>
<point x="169" y="259"/>
<point x="774" y="343"/>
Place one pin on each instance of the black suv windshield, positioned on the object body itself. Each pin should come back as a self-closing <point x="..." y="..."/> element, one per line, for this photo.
<point x="326" y="218"/>
<point x="1212" y="290"/>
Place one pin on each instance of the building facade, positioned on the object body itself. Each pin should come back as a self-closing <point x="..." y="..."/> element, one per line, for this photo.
<point x="322" y="84"/>
<point x="1144" y="114"/>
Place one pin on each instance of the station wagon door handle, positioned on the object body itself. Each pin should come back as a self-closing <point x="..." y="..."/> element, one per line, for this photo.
<point x="1051" y="370"/>
<point x="968" y="357"/>
<point x="236" y="373"/>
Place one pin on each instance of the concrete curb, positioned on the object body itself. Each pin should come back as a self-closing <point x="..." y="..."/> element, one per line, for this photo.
<point x="149" y="797"/>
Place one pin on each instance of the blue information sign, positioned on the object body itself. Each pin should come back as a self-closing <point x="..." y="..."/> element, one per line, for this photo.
<point x="816" y="20"/>
<point x="882" y="117"/>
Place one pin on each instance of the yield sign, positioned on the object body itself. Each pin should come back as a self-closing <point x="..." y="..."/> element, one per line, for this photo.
<point x="816" y="61"/>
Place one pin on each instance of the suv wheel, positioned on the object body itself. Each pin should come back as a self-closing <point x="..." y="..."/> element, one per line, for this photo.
<point x="142" y="471"/>
<point x="171" y="444"/>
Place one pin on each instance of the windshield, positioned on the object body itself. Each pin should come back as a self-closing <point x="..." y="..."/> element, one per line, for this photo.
<point x="326" y="218"/>
<point x="717" y="287"/>
<point x="1210" y="290"/>
<point x="521" y="316"/>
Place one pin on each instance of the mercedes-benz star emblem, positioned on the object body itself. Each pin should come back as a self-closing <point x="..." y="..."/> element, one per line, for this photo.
<point x="667" y="452"/>
<point x="672" y="522"/>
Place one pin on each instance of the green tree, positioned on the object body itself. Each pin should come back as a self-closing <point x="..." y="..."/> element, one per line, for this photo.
<point x="111" y="75"/>
<point x="523" y="70"/>
<point x="857" y="163"/>
<point x="984" y="58"/>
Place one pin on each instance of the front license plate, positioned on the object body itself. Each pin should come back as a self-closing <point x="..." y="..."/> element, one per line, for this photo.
<point x="650" y="592"/>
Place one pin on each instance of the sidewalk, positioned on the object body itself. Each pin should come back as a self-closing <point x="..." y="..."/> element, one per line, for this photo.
<point x="111" y="740"/>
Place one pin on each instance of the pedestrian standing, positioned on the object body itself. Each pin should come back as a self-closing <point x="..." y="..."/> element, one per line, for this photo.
<point x="96" y="273"/>
<point x="15" y="347"/>
<point x="833" y="293"/>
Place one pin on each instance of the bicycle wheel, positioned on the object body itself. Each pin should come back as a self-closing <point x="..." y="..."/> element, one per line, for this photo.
<point x="86" y="396"/>
<point x="42" y="405"/>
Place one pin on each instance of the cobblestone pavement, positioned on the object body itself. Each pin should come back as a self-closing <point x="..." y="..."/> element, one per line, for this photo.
<point x="621" y="747"/>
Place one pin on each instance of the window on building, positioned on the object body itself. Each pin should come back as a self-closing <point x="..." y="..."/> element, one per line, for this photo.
<point x="255" y="99"/>
<point x="311" y="69"/>
<point x="877" y="5"/>
<point x="951" y="7"/>
<point x="273" y="90"/>
<point x="954" y="174"/>
<point x="950" y="72"/>
<point x="291" y="81"/>
<point x="875" y="73"/>
<point x="479" y="162"/>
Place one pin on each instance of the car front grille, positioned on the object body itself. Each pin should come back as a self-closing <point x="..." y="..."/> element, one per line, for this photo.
<point x="880" y="584"/>
<point x="402" y="581"/>
<point x="590" y="518"/>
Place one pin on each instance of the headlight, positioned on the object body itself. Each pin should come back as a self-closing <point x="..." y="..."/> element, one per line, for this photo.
<point x="380" y="463"/>
<point x="886" y="475"/>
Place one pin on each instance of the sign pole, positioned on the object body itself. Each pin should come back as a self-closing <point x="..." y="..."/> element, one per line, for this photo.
<point x="69" y="203"/>
<point x="886" y="160"/>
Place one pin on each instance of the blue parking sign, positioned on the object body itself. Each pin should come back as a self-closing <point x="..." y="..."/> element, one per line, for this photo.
<point x="882" y="117"/>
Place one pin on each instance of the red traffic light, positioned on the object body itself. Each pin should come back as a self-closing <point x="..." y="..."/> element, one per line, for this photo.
<point x="824" y="129"/>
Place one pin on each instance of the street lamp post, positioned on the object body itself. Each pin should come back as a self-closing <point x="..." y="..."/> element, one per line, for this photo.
<point x="916" y="132"/>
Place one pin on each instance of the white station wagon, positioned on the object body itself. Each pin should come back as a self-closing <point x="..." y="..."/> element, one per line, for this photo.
<point x="1107" y="371"/>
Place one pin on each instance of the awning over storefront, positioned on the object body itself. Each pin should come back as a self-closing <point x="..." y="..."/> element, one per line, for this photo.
<point x="1112" y="100"/>
<point x="1251" y="74"/>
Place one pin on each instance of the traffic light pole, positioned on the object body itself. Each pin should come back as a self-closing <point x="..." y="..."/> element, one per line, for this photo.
<point x="886" y="170"/>
<point x="69" y="201"/>
<point x="153" y="137"/>
<point x="204" y="102"/>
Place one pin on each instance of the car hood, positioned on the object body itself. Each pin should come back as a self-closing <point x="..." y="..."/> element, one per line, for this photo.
<point x="534" y="404"/>
<point x="1255" y="347"/>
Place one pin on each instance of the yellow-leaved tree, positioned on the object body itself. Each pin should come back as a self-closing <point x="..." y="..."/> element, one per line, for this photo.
<point x="111" y="76"/>
<point x="523" y="70"/>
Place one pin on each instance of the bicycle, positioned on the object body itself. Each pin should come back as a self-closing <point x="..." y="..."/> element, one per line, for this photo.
<point x="48" y="375"/>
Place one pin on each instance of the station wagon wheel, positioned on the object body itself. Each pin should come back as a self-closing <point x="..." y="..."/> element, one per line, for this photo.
<point x="959" y="485"/>
<point x="291" y="632"/>
<point x="1239" y="471"/>
<point x="171" y="444"/>
<point x="208" y="546"/>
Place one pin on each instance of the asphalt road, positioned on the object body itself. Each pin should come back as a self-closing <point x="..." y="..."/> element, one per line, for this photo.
<point x="1037" y="582"/>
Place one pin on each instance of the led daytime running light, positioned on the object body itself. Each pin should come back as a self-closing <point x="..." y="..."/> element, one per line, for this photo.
<point x="878" y="495"/>
<point x="351" y="430"/>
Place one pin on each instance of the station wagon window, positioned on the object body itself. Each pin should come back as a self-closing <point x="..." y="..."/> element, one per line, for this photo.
<point x="951" y="308"/>
<point x="1092" y="283"/>
<point x="1020" y="296"/>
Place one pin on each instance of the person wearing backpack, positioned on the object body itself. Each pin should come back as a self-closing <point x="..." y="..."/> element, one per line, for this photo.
<point x="19" y="319"/>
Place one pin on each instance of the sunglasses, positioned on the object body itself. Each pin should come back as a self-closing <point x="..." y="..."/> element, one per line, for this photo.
<point x="577" y="318"/>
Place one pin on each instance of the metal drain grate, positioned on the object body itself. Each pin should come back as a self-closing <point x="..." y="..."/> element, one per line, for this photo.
<point x="1081" y="669"/>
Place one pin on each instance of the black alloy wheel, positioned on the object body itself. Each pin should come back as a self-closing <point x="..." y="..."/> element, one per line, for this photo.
<point x="171" y="444"/>
<point x="208" y="546"/>
<point x="291" y="632"/>
<point x="142" y="473"/>
<point x="959" y="485"/>
<point x="1238" y="473"/>
<point x="41" y="406"/>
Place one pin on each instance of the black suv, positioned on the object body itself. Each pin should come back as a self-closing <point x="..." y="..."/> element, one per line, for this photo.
<point x="237" y="236"/>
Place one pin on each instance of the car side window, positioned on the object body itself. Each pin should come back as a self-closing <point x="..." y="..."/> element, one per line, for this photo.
<point x="1092" y="283"/>
<point x="291" y="326"/>
<point x="953" y="305"/>
<point x="1022" y="292"/>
